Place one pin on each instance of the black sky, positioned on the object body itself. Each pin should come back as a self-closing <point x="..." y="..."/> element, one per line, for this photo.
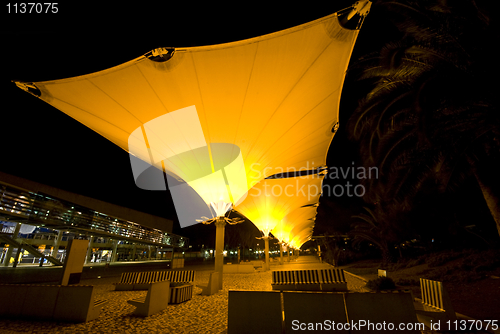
<point x="42" y="144"/>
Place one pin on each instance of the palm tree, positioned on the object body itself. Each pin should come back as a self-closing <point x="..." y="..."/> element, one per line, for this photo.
<point x="432" y="112"/>
<point x="376" y="228"/>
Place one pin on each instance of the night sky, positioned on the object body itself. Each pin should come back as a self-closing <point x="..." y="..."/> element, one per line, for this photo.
<point x="42" y="144"/>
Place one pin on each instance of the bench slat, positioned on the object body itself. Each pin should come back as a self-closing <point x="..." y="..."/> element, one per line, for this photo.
<point x="436" y="304"/>
<point x="139" y="300"/>
<point x="318" y="279"/>
<point x="141" y="280"/>
<point x="100" y="302"/>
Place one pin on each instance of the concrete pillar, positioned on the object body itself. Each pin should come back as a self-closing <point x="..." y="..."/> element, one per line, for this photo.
<point x="238" y="254"/>
<point x="6" y="260"/>
<point x="73" y="266"/>
<point x="220" y="224"/>
<point x="89" y="251"/>
<point x="16" y="258"/>
<point x="134" y="250"/>
<point x="287" y="254"/>
<point x="266" y="243"/>
<point x="114" y="253"/>
<point x="57" y="242"/>
<point x="149" y="252"/>
<point x="281" y="253"/>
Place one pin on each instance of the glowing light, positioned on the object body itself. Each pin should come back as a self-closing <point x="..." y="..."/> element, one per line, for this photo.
<point x="268" y="202"/>
<point x="220" y="207"/>
<point x="274" y="97"/>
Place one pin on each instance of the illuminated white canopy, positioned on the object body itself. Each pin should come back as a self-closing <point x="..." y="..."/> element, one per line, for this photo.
<point x="301" y="238"/>
<point x="275" y="97"/>
<point x="301" y="233"/>
<point x="220" y="118"/>
<point x="294" y="222"/>
<point x="271" y="200"/>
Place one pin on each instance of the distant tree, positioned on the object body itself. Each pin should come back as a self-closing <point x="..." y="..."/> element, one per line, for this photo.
<point x="376" y="227"/>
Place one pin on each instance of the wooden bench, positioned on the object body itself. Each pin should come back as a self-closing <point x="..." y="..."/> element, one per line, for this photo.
<point x="309" y="280"/>
<point x="283" y="280"/>
<point x="332" y="279"/>
<point x="435" y="305"/>
<point x="155" y="300"/>
<point x="75" y="303"/>
<point x="142" y="280"/>
<point x="127" y="281"/>
<point x="323" y="308"/>
<point x="180" y="292"/>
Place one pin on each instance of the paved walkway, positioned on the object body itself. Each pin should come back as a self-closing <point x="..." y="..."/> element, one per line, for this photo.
<point x="202" y="314"/>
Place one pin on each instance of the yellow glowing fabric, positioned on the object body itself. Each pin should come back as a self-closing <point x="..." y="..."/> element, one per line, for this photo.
<point x="294" y="222"/>
<point x="300" y="237"/>
<point x="271" y="200"/>
<point x="275" y="97"/>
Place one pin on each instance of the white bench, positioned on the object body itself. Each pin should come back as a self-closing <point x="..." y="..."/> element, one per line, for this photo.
<point x="264" y="312"/>
<point x="435" y="305"/>
<point x="141" y="280"/>
<point x="155" y="300"/>
<point x="75" y="303"/>
<point x="309" y="280"/>
<point x="254" y="312"/>
<point x="212" y="287"/>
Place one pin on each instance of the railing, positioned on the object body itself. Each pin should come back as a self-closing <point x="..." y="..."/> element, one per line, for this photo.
<point x="8" y="229"/>
<point x="41" y="236"/>
<point x="37" y="208"/>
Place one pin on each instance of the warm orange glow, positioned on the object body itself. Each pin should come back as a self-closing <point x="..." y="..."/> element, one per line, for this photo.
<point x="275" y="96"/>
<point x="293" y="223"/>
<point x="271" y="200"/>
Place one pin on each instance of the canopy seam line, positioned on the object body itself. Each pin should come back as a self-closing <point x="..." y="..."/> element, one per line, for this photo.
<point x="183" y="135"/>
<point x="207" y="136"/>
<point x="297" y="122"/>
<point x="243" y="103"/>
<point x="288" y="94"/>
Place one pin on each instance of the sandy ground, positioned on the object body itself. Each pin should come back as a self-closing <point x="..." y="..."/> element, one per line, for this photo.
<point x="201" y="314"/>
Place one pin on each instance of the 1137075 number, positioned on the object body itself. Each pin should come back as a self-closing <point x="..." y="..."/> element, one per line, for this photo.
<point x="32" y="7"/>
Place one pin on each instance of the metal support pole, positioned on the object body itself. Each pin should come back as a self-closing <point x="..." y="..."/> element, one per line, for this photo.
<point x="134" y="250"/>
<point x="281" y="253"/>
<point x="266" y="243"/>
<point x="8" y="255"/>
<point x="114" y="254"/>
<point x="16" y="259"/>
<point x="57" y="242"/>
<point x="89" y="251"/>
<point x="220" y="224"/>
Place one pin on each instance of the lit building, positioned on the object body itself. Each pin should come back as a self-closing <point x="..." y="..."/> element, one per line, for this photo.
<point x="40" y="219"/>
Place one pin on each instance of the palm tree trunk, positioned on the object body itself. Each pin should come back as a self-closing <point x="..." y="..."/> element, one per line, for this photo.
<point x="491" y="199"/>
